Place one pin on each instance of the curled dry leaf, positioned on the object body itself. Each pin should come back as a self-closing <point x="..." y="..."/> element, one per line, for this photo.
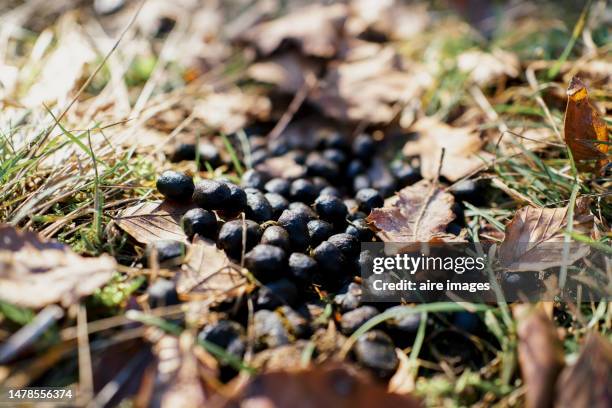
<point x="463" y="154"/>
<point x="587" y="383"/>
<point x="584" y="128"/>
<point x="36" y="273"/>
<point x="419" y="213"/>
<point x="315" y="30"/>
<point x="529" y="243"/>
<point x="231" y="111"/>
<point x="283" y="166"/>
<point x="333" y="385"/>
<point x="209" y="274"/>
<point x="288" y="71"/>
<point x="486" y="68"/>
<point x="403" y="381"/>
<point x="540" y="354"/>
<point x="393" y="19"/>
<point x="153" y="221"/>
<point x="369" y="89"/>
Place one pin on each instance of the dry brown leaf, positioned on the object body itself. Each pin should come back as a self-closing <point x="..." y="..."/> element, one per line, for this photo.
<point x="338" y="386"/>
<point x="282" y="166"/>
<point x="354" y="49"/>
<point x="392" y="18"/>
<point x="587" y="383"/>
<point x="403" y="381"/>
<point x="527" y="243"/>
<point x="9" y="77"/>
<point x="463" y="154"/>
<point x="584" y="127"/>
<point x="370" y="89"/>
<point x="286" y="357"/>
<point x="485" y="68"/>
<point x="540" y="354"/>
<point x="209" y="274"/>
<point x="420" y="213"/>
<point x="36" y="273"/>
<point x="58" y="78"/>
<point x="288" y="71"/>
<point x="154" y="221"/>
<point x="231" y="111"/>
<point x="315" y="30"/>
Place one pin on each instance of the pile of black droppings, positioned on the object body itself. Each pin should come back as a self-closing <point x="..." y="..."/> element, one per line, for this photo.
<point x="303" y="243"/>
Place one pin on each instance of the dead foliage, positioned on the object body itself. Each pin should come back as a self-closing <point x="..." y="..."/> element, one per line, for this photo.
<point x="419" y="213"/>
<point x="35" y="273"/>
<point x="527" y="243"/>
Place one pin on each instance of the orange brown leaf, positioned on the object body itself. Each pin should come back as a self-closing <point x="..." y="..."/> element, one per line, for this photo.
<point x="540" y="354"/>
<point x="584" y="128"/>
<point x="588" y="382"/>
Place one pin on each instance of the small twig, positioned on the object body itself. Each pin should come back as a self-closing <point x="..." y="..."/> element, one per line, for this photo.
<point x="169" y="46"/>
<point x="86" y="386"/>
<point x="485" y="105"/>
<point x="184" y="123"/>
<point x="295" y="104"/>
<point x="244" y="239"/>
<point x="496" y="182"/>
<point x="29" y="333"/>
<point x="71" y="333"/>
<point x="533" y="83"/>
<point x="107" y="393"/>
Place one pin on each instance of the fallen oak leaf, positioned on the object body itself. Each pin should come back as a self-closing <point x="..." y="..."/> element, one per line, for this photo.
<point x="540" y="354"/>
<point x="154" y="221"/>
<point x="587" y="383"/>
<point x="209" y="274"/>
<point x="584" y="128"/>
<point x="36" y="273"/>
<point x="418" y="213"/>
<point x="527" y="243"/>
<point x="463" y="154"/>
